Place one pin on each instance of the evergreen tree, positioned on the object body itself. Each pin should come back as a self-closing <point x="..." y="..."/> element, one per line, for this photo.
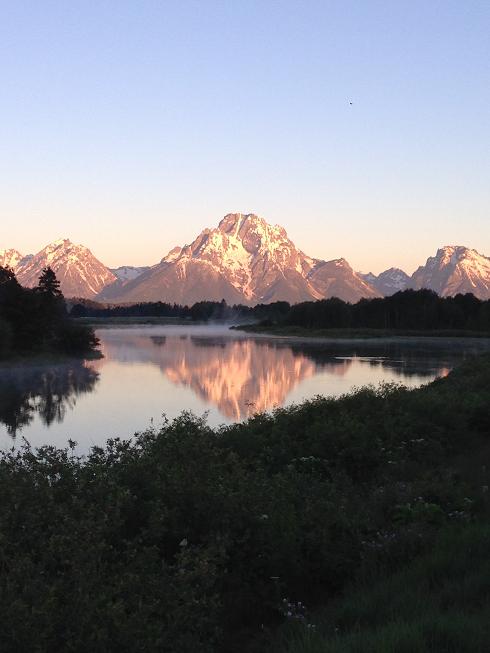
<point x="7" y="275"/>
<point x="48" y="283"/>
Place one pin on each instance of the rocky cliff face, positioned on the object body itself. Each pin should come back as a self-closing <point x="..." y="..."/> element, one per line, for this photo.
<point x="455" y="269"/>
<point x="337" y="279"/>
<point x="10" y="258"/>
<point x="79" y="272"/>
<point x="126" y="273"/>
<point x="243" y="260"/>
<point x="388" y="282"/>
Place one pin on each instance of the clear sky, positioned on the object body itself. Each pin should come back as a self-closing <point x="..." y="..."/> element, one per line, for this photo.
<point x="130" y="125"/>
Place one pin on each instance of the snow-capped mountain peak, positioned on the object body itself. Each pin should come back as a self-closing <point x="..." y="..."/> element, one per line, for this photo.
<point x="243" y="260"/>
<point x="241" y="248"/>
<point x="10" y="258"/>
<point x="79" y="272"/>
<point x="128" y="272"/>
<point x="455" y="269"/>
<point x="388" y="282"/>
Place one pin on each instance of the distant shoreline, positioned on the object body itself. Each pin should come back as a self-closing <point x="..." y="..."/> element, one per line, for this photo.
<point x="356" y="334"/>
<point x="101" y="322"/>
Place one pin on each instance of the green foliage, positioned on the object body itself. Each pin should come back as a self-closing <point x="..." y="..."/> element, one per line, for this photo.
<point x="438" y="602"/>
<point x="188" y="538"/>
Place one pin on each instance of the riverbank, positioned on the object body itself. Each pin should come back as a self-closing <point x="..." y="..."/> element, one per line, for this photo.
<point x="438" y="602"/>
<point x="356" y="334"/>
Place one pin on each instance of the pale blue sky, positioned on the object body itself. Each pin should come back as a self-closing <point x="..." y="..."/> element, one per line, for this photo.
<point x="129" y="126"/>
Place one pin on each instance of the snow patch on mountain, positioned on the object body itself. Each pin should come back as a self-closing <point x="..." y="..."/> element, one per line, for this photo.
<point x="128" y="272"/>
<point x="79" y="272"/>
<point x="388" y="282"/>
<point x="10" y="258"/>
<point x="455" y="269"/>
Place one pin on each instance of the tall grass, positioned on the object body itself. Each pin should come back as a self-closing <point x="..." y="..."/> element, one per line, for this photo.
<point x="438" y="603"/>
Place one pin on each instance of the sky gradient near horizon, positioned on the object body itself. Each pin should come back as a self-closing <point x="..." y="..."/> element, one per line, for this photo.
<point x="131" y="126"/>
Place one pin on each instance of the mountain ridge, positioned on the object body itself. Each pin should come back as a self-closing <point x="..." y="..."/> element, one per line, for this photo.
<point x="244" y="260"/>
<point x="79" y="272"/>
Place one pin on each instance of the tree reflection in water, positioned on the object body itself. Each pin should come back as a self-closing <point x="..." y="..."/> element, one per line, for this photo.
<point x="47" y="390"/>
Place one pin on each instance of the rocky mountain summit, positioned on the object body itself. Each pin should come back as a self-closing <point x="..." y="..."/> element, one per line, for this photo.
<point x="10" y="258"/>
<point x="388" y="282"/>
<point x="79" y="272"/>
<point x="455" y="269"/>
<point x="128" y="272"/>
<point x="243" y="260"/>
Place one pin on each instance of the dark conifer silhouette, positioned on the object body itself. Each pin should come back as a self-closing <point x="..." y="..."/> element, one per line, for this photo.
<point x="36" y="320"/>
<point x="7" y="275"/>
<point x="48" y="283"/>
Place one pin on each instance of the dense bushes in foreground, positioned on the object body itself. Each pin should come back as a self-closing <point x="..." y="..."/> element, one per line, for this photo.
<point x="188" y="539"/>
<point x="35" y="320"/>
<point x="438" y="603"/>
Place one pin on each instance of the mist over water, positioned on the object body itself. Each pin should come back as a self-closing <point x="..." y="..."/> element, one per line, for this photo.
<point x="148" y="372"/>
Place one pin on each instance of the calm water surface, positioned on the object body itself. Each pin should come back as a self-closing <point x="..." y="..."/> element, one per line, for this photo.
<point x="150" y="371"/>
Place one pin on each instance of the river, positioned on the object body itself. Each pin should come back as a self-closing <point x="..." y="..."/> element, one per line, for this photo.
<point x="151" y="371"/>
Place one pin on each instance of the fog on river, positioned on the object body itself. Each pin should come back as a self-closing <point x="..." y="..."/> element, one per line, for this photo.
<point x="149" y="371"/>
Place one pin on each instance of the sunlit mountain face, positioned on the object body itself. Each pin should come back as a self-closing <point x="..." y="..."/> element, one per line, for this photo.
<point x="243" y="376"/>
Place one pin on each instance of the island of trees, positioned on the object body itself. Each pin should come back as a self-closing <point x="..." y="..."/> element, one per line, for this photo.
<point x="36" y="320"/>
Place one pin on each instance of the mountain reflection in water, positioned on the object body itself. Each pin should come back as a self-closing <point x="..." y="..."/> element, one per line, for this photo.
<point x="246" y="375"/>
<point x="155" y="370"/>
<point x="47" y="390"/>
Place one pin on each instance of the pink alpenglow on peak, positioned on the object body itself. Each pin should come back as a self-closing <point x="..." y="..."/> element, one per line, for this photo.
<point x="455" y="269"/>
<point x="79" y="272"/>
<point x="10" y="258"/>
<point x="243" y="260"/>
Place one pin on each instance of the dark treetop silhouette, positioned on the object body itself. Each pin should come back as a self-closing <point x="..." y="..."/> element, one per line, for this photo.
<point x="36" y="320"/>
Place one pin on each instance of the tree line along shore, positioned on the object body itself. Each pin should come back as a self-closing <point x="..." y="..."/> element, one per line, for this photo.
<point x="409" y="311"/>
<point x="35" y="321"/>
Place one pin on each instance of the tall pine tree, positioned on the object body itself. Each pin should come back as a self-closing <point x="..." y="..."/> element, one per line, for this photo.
<point x="48" y="283"/>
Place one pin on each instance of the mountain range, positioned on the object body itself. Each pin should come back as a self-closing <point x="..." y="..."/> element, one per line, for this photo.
<point x="244" y="260"/>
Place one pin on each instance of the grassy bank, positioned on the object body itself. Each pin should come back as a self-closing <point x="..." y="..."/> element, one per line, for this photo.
<point x="306" y="332"/>
<point x="189" y="538"/>
<point x="439" y="602"/>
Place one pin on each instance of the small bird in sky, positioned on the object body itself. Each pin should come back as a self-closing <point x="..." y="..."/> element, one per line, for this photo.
<point x="350" y="102"/>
